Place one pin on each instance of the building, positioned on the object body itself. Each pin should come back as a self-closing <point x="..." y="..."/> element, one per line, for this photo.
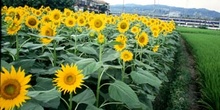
<point x="97" y="6"/>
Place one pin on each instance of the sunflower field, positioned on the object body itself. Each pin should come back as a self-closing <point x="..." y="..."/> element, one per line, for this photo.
<point x="65" y="60"/>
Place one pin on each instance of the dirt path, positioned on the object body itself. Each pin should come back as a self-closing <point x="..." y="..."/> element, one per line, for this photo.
<point x="193" y="86"/>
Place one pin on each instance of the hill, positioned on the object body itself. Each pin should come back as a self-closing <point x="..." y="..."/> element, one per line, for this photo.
<point x="163" y="10"/>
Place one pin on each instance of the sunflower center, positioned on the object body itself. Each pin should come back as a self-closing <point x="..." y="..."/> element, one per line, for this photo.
<point x="56" y="17"/>
<point x="81" y="21"/>
<point x="141" y="39"/>
<point x="134" y="29"/>
<point x="18" y="16"/>
<point x="67" y="13"/>
<point x="47" y="19"/>
<point x="121" y="46"/>
<point x="70" y="22"/>
<point x="32" y="22"/>
<point x="37" y="13"/>
<point x="123" y="25"/>
<point x="98" y="23"/>
<point x="126" y="56"/>
<point x="70" y="79"/>
<point x="49" y="32"/>
<point x="10" y="89"/>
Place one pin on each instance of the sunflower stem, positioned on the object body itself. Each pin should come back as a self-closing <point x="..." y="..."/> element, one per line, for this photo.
<point x="99" y="77"/>
<point x="75" y="42"/>
<point x="54" y="53"/>
<point x="123" y="71"/>
<point x="100" y="53"/>
<point x="98" y="86"/>
<point x="141" y="54"/>
<point x="97" y="91"/>
<point x="17" y="48"/>
<point x="71" y="102"/>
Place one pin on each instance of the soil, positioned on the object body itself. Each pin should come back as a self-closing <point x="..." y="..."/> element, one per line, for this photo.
<point x="194" y="93"/>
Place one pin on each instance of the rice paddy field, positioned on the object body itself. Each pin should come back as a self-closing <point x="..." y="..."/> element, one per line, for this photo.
<point x="205" y="46"/>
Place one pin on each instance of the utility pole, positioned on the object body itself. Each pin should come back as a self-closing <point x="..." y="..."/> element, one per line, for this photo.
<point x="154" y="8"/>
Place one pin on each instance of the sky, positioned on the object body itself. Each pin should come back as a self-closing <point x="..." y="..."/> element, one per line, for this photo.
<point x="208" y="4"/>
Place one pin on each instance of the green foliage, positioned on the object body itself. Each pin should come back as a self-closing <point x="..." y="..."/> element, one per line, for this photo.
<point x="58" y="4"/>
<point x="205" y="47"/>
<point x="104" y="85"/>
<point x="120" y="91"/>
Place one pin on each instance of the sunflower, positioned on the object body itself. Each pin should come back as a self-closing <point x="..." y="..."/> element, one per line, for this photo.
<point x="68" y="78"/>
<point x="49" y="31"/>
<point x="101" y="39"/>
<point x="56" y="15"/>
<point x="123" y="26"/>
<point x="38" y="13"/>
<point x="13" y="88"/>
<point x="154" y="28"/>
<point x="11" y="12"/>
<point x="142" y="39"/>
<point x="13" y="27"/>
<point x="32" y="21"/>
<point x="45" y="40"/>
<point x="8" y="19"/>
<point x="135" y="30"/>
<point x="4" y="10"/>
<point x="92" y="34"/>
<point x="155" y="48"/>
<point x="126" y="55"/>
<point x="97" y="24"/>
<point x="47" y="9"/>
<point x="70" y="21"/>
<point x="67" y="12"/>
<point x="19" y="15"/>
<point x="155" y="34"/>
<point x="45" y="19"/>
<point x="122" y="40"/>
<point x="81" y="21"/>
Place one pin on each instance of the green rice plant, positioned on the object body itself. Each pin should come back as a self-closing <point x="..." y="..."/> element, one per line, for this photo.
<point x="205" y="47"/>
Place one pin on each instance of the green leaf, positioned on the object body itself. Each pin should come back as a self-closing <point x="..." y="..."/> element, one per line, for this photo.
<point x="91" y="68"/>
<point x="86" y="97"/>
<point x="84" y="62"/>
<point x="43" y="84"/>
<point x="87" y="49"/>
<point x="5" y="65"/>
<point x="32" y="46"/>
<point x="112" y="43"/>
<point x="57" y="48"/>
<point x="50" y="98"/>
<point x="25" y="64"/>
<point x="31" y="106"/>
<point x="139" y="63"/>
<point x="110" y="55"/>
<point x="58" y="38"/>
<point x="120" y="91"/>
<point x="88" y="65"/>
<point x="92" y="107"/>
<point x="11" y="50"/>
<point x="142" y="77"/>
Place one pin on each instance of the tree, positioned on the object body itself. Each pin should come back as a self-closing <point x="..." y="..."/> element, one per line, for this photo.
<point x="58" y="4"/>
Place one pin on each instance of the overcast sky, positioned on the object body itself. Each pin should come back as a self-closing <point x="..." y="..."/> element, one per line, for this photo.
<point x="208" y="4"/>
